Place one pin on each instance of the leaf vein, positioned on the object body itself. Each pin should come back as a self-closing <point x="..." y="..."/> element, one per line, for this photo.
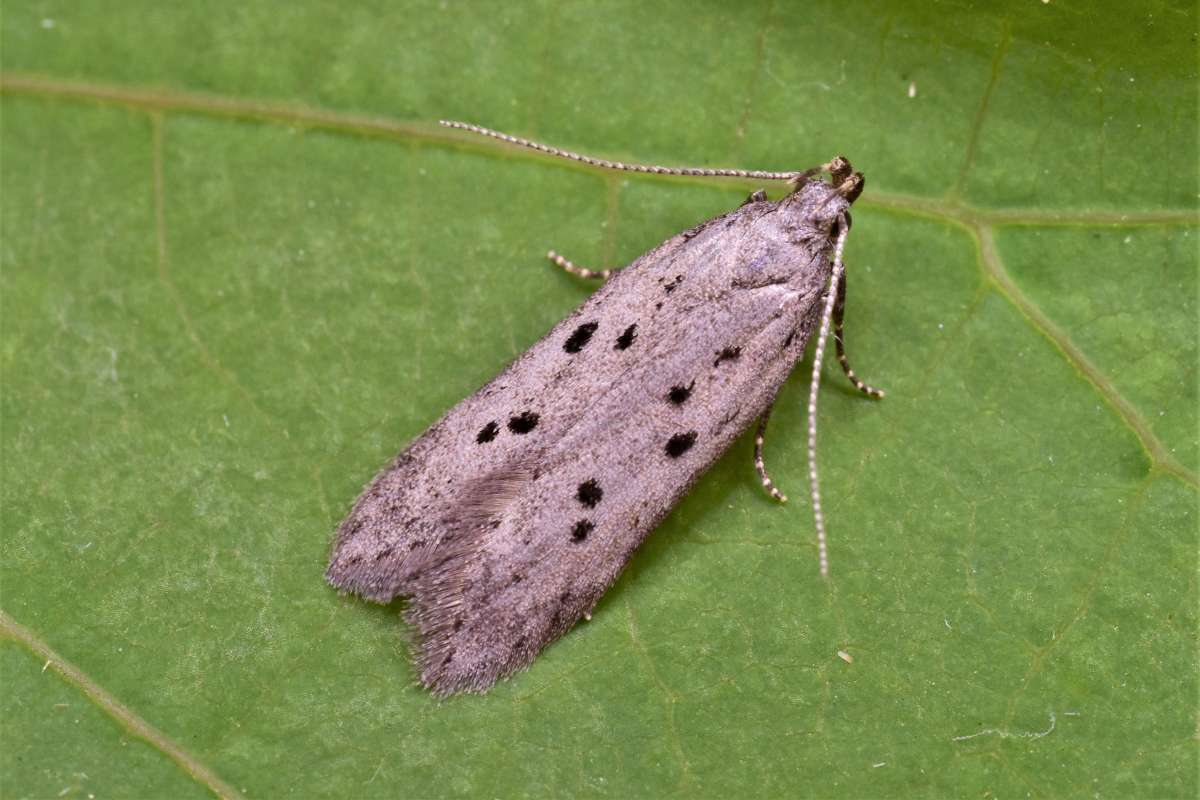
<point x="130" y="720"/>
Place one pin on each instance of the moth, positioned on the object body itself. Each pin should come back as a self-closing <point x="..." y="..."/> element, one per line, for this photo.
<point x="505" y="522"/>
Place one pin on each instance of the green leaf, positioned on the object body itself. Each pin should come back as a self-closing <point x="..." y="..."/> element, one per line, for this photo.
<point x="242" y="267"/>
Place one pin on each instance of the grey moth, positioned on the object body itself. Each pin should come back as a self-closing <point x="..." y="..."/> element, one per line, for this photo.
<point x="505" y="522"/>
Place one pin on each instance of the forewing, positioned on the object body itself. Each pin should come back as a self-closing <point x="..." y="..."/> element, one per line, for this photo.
<point x="508" y="519"/>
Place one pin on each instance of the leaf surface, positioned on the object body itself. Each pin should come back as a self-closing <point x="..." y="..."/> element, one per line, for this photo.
<point x="242" y="267"/>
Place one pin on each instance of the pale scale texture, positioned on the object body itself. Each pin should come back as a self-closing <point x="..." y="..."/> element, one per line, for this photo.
<point x="498" y="544"/>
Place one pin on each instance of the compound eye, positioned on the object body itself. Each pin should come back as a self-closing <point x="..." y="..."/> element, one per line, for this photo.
<point x="852" y="187"/>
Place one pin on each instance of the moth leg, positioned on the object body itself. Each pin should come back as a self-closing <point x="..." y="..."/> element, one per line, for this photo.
<point x="759" y="466"/>
<point x="757" y="196"/>
<point x="575" y="269"/>
<point x="839" y="310"/>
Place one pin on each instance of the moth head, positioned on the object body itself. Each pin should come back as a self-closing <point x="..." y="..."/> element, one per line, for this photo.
<point x="825" y="204"/>
<point x="844" y="181"/>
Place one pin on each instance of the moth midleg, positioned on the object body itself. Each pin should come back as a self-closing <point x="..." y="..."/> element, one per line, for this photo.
<point x="575" y="269"/>
<point x="759" y="466"/>
<point x="839" y="310"/>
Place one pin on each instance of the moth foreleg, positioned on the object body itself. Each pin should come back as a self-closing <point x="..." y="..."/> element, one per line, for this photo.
<point x="839" y="339"/>
<point x="757" y="196"/>
<point x="575" y="269"/>
<point x="759" y="466"/>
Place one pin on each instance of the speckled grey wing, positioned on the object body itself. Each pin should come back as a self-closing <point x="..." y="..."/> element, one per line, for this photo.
<point x="507" y="520"/>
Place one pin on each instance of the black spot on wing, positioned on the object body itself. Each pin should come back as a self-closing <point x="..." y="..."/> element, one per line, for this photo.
<point x="626" y="338"/>
<point x="680" y="393"/>
<point x="523" y="422"/>
<point x="579" y="339"/>
<point x="728" y="354"/>
<point x="487" y="433"/>
<point x="589" y="493"/>
<point x="680" y="443"/>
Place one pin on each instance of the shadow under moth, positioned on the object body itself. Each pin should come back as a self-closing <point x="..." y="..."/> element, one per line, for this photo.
<point x="506" y="521"/>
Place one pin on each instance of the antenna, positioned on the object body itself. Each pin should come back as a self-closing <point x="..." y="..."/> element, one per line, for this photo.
<point x="814" y="386"/>
<point x="704" y="172"/>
